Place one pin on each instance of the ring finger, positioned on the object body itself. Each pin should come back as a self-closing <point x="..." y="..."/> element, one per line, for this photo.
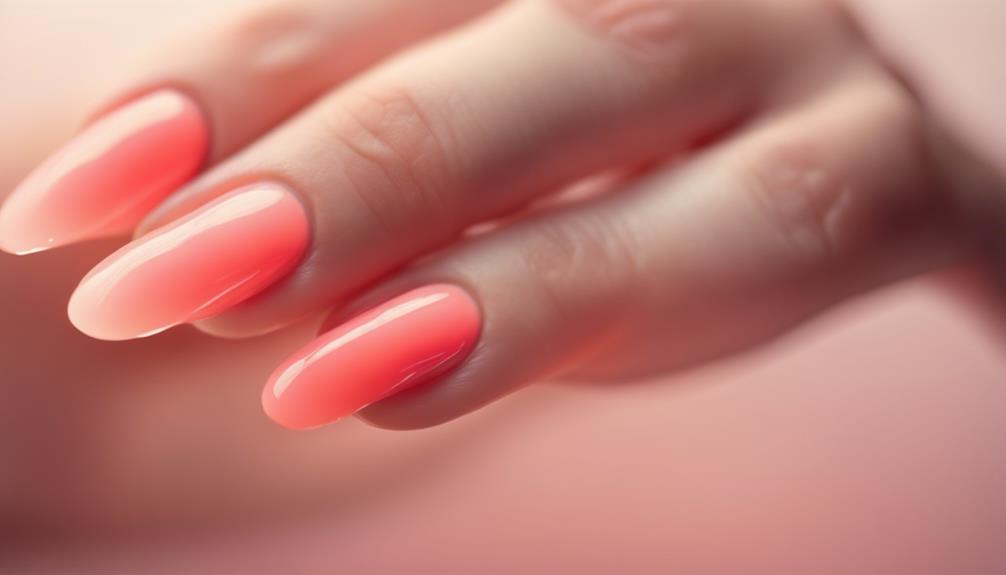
<point x="747" y="239"/>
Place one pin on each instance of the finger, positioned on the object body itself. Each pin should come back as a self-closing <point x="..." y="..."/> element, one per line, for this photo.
<point x="198" y="100"/>
<point x="403" y="160"/>
<point x="747" y="240"/>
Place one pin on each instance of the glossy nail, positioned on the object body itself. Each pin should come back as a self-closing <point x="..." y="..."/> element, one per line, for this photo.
<point x="106" y="179"/>
<point x="408" y="341"/>
<point x="196" y="267"/>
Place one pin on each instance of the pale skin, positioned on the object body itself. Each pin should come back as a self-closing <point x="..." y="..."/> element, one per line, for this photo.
<point x="434" y="140"/>
<point x="800" y="202"/>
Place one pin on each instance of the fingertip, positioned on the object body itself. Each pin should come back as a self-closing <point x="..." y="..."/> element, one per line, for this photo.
<point x="103" y="180"/>
<point x="403" y="414"/>
<point x="410" y="341"/>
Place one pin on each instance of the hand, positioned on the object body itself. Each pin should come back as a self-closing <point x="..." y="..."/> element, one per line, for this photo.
<point x="747" y="164"/>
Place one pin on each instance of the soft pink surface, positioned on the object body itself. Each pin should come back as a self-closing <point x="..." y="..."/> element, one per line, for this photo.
<point x="207" y="262"/>
<point x="105" y="179"/>
<point x="872" y="441"/>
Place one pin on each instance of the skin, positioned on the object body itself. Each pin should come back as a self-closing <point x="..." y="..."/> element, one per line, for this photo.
<point x="861" y="94"/>
<point x="787" y="218"/>
<point x="947" y="54"/>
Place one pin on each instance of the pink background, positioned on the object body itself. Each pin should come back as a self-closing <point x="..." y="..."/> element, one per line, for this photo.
<point x="873" y="440"/>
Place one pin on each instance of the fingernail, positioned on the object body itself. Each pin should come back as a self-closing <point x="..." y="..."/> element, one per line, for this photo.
<point x="202" y="264"/>
<point x="109" y="176"/>
<point x="408" y="341"/>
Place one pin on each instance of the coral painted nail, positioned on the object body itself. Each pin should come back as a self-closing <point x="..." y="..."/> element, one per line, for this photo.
<point x="106" y="179"/>
<point x="196" y="267"/>
<point x="408" y="341"/>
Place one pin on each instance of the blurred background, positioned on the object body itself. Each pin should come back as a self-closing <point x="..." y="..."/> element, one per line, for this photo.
<point x="870" y="441"/>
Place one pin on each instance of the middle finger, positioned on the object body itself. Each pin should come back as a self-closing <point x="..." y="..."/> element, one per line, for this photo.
<point x="465" y="129"/>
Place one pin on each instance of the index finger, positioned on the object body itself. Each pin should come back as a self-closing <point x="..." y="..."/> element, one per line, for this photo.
<point x="197" y="100"/>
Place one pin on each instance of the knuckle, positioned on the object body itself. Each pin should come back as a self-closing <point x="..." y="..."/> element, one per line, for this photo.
<point x="650" y="28"/>
<point x="275" y="40"/>
<point x="856" y="196"/>
<point x="568" y="254"/>
<point x="804" y="201"/>
<point x="393" y="151"/>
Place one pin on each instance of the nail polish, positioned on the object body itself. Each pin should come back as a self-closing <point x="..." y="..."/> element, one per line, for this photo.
<point x="208" y="261"/>
<point x="106" y="179"/>
<point x="408" y="341"/>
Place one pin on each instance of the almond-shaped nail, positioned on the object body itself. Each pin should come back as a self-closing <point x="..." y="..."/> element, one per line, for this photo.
<point x="106" y="179"/>
<point x="212" y="259"/>
<point x="408" y="341"/>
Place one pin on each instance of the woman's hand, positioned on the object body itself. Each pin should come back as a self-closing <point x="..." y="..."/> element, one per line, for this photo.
<point x="611" y="188"/>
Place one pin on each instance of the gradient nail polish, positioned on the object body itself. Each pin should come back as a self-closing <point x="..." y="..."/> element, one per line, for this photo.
<point x="196" y="267"/>
<point x="109" y="176"/>
<point x="406" y="342"/>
